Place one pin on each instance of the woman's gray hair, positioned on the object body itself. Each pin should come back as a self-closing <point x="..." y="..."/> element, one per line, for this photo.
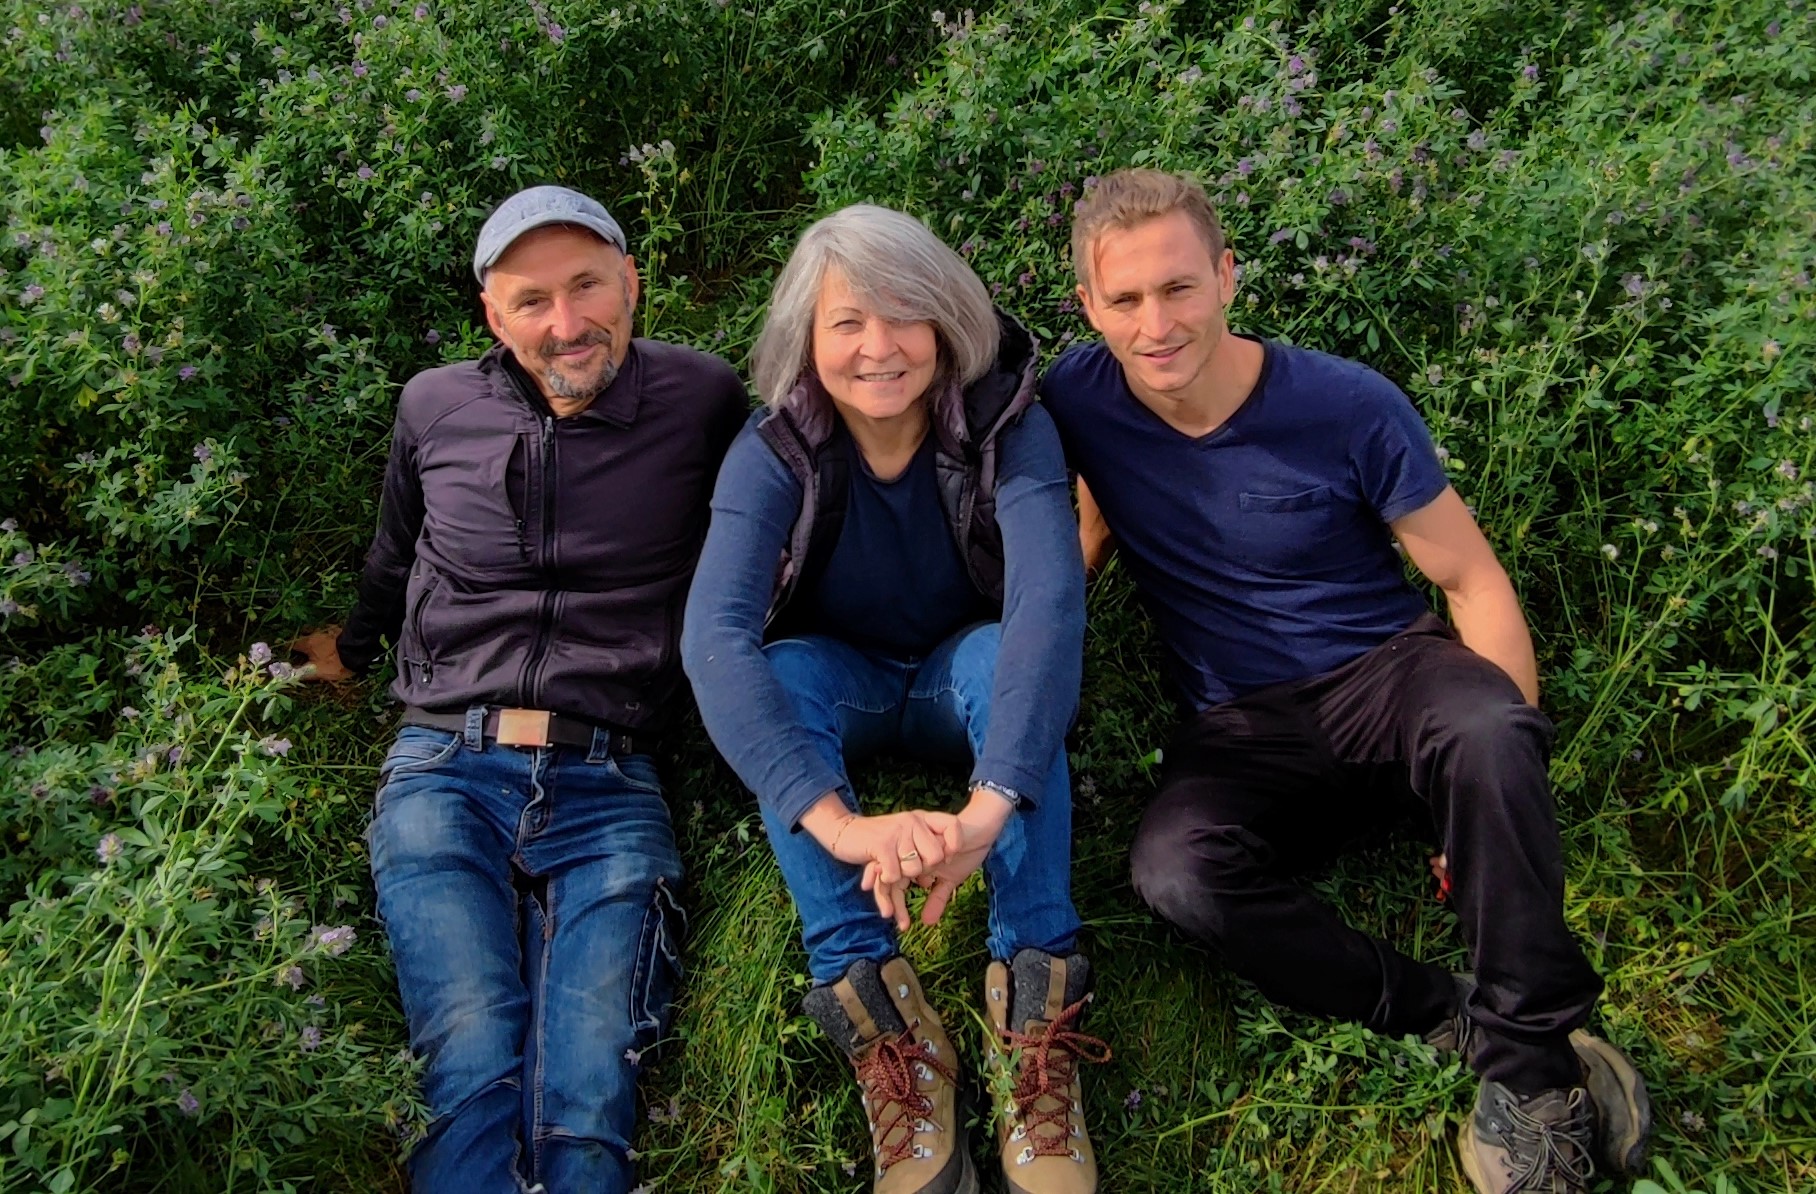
<point x="903" y="272"/>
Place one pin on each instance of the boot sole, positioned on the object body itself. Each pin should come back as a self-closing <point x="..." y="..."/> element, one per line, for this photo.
<point x="967" y="1182"/>
<point x="1627" y="1155"/>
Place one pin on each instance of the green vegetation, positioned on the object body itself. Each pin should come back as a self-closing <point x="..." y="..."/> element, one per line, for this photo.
<point x="1581" y="240"/>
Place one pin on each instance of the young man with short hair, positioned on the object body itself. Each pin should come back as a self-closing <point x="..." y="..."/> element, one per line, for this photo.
<point x="1256" y="491"/>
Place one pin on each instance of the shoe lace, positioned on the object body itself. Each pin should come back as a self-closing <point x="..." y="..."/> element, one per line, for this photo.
<point x="1049" y="1062"/>
<point x="887" y="1074"/>
<point x="1539" y="1151"/>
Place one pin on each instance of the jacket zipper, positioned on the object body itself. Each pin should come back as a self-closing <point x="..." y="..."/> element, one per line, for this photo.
<point x="545" y="608"/>
<point x="423" y="665"/>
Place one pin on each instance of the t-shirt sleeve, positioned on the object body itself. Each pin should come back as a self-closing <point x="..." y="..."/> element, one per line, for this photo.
<point x="1396" y="465"/>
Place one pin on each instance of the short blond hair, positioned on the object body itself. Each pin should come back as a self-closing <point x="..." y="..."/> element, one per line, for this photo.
<point x="1134" y="196"/>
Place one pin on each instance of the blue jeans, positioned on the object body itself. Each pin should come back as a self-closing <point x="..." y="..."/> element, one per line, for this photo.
<point x="529" y="899"/>
<point x="856" y="703"/>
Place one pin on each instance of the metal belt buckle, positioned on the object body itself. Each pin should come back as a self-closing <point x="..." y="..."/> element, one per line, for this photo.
<point x="523" y="727"/>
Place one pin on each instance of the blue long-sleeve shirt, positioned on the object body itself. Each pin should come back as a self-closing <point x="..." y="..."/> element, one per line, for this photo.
<point x="748" y="714"/>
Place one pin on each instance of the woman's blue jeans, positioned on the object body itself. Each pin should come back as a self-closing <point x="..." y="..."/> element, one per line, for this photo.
<point x="529" y="899"/>
<point x="856" y="703"/>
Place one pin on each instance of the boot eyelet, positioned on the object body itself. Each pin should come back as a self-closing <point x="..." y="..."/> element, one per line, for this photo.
<point x="1026" y="1155"/>
<point x="1078" y="1156"/>
<point x="902" y="990"/>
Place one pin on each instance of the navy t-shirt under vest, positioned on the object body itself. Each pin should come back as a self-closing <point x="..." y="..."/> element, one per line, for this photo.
<point x="1261" y="550"/>
<point x="895" y="582"/>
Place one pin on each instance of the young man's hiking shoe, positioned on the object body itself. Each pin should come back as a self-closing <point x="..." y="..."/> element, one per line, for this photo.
<point x="1035" y="1002"/>
<point x="1617" y="1093"/>
<point x="1542" y="1144"/>
<point x="908" y="1074"/>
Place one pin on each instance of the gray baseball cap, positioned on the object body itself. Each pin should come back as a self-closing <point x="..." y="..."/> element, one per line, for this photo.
<point x="538" y="207"/>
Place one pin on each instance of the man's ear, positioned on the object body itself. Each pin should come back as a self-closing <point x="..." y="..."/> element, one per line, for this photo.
<point x="1226" y="275"/>
<point x="633" y="285"/>
<point x="493" y="319"/>
<point x="1086" y="305"/>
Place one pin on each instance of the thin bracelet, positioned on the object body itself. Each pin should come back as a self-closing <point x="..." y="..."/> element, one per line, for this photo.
<point x="834" y="848"/>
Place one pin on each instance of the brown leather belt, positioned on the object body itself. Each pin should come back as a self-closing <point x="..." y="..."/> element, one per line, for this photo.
<point x="526" y="727"/>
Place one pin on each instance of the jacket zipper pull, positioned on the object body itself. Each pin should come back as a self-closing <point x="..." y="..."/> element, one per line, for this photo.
<point x="427" y="670"/>
<point x="523" y="545"/>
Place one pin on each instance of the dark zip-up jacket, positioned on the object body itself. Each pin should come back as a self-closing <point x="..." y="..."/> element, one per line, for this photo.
<point x="527" y="560"/>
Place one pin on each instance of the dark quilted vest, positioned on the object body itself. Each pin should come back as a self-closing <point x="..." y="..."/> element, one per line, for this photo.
<point x="965" y="463"/>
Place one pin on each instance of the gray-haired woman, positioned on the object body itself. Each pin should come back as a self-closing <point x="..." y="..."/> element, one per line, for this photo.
<point x="893" y="565"/>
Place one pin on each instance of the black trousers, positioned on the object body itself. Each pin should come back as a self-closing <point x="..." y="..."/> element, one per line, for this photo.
<point x="1256" y="789"/>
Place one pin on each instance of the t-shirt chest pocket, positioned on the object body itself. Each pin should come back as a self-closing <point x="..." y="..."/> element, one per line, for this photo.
<point x="1284" y="528"/>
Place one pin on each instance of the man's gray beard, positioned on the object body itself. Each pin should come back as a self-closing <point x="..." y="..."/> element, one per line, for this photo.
<point x="563" y="386"/>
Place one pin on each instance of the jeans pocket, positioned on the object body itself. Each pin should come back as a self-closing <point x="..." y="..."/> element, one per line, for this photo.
<point x="417" y="749"/>
<point x="658" y="962"/>
<point x="637" y="772"/>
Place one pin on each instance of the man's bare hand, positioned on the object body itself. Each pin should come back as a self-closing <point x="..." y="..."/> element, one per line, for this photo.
<point x="320" y="650"/>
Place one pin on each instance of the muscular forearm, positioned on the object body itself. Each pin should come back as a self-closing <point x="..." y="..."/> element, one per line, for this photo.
<point x="1490" y="623"/>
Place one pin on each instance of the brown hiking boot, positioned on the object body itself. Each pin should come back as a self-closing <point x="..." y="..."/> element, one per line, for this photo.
<point x="1535" y="1145"/>
<point x="908" y="1073"/>
<point x="1617" y="1093"/>
<point x="1035" y="1002"/>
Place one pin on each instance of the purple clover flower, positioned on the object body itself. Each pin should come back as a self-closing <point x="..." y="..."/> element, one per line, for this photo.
<point x="204" y="453"/>
<point x="1295" y="65"/>
<point x="1245" y="167"/>
<point x="359" y="69"/>
<point x="380" y="21"/>
<point x="174" y="755"/>
<point x="432" y="336"/>
<point x="109" y="848"/>
<point x="422" y="12"/>
<point x="457" y="92"/>
<point x="259" y="655"/>
<point x="557" y="34"/>
<point x="333" y="941"/>
<point x="187" y="372"/>
<point x="188" y="1104"/>
<point x="311" y="1039"/>
<point x="31" y="294"/>
<point x="130" y="342"/>
<point x="1279" y="236"/>
<point x="1530" y="72"/>
<point x="365" y="173"/>
<point x="277" y="748"/>
<point x="412" y="95"/>
<point x="292" y="977"/>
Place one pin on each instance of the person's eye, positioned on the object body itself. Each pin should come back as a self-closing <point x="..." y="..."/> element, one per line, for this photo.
<point x="589" y="284"/>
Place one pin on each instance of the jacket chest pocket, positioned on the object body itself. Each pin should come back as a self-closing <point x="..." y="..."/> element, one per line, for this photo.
<point x="1285" y="531"/>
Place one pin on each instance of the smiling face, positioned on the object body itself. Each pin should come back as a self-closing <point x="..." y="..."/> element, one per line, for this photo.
<point x="874" y="368"/>
<point x="561" y="299"/>
<point x="1158" y="295"/>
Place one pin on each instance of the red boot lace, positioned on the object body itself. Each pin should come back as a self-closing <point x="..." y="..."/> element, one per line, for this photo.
<point x="888" y="1078"/>
<point x="1049" y="1061"/>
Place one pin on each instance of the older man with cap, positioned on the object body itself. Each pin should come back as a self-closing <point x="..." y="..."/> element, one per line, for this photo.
<point x="542" y="511"/>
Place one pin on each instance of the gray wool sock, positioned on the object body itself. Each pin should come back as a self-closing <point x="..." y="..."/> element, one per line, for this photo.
<point x="823" y="1005"/>
<point x="1030" y="969"/>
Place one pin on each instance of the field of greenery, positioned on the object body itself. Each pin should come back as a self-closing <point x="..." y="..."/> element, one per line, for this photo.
<point x="1582" y="239"/>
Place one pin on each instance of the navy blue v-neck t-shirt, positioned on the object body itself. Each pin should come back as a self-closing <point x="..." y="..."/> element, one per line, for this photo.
<point x="1262" y="550"/>
<point x="895" y="582"/>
